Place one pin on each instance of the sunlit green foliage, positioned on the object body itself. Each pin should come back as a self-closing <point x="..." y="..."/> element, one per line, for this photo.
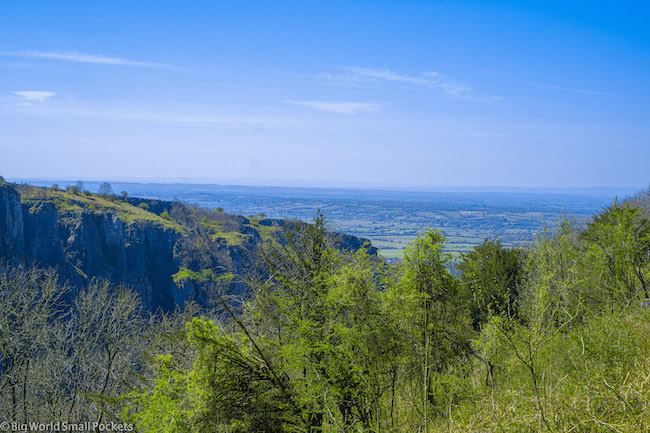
<point x="553" y="337"/>
<point x="547" y="339"/>
<point x="619" y="244"/>
<point x="491" y="276"/>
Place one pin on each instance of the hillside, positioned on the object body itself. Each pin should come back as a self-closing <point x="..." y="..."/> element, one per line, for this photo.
<point x="551" y="337"/>
<point x="168" y="252"/>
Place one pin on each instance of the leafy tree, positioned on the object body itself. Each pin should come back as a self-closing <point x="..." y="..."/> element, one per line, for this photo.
<point x="124" y="194"/>
<point x="164" y="394"/>
<point x="105" y="188"/>
<point x="248" y="392"/>
<point x="321" y="310"/>
<point x="294" y="301"/>
<point x="619" y="241"/>
<point x="551" y="298"/>
<point x="228" y="387"/>
<point x="557" y="274"/>
<point x="313" y="349"/>
<point x="170" y="403"/>
<point x="435" y="311"/>
<point x="491" y="274"/>
<point x="365" y="348"/>
<point x="641" y="201"/>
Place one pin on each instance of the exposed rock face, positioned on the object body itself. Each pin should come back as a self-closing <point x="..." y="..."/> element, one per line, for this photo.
<point x="139" y="254"/>
<point x="144" y="254"/>
<point x="160" y="265"/>
<point x="352" y="243"/>
<point x="12" y="240"/>
<point x="94" y="243"/>
<point x="42" y="241"/>
<point x="83" y="244"/>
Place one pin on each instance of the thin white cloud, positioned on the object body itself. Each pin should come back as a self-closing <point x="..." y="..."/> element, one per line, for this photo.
<point x="446" y="84"/>
<point x="71" y="56"/>
<point x="574" y="90"/>
<point x="436" y="81"/>
<point x="433" y="80"/>
<point x="35" y="95"/>
<point x="342" y="107"/>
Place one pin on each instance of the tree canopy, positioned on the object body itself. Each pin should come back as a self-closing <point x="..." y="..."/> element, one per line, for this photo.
<point x="551" y="336"/>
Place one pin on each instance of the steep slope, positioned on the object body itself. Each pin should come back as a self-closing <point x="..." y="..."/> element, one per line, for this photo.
<point x="11" y="222"/>
<point x="168" y="251"/>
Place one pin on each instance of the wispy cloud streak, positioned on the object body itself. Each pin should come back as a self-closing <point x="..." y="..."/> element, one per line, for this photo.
<point x="575" y="90"/>
<point x="432" y="80"/>
<point x="342" y="107"/>
<point x="34" y="95"/>
<point x="436" y="81"/>
<point x="70" y="56"/>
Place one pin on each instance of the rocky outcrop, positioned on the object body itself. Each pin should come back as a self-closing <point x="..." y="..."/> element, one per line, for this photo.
<point x="348" y="242"/>
<point x="42" y="241"/>
<point x="84" y="243"/>
<point x="139" y="254"/>
<point x="12" y="239"/>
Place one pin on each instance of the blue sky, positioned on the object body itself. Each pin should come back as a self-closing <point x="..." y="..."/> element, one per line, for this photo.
<point x="359" y="93"/>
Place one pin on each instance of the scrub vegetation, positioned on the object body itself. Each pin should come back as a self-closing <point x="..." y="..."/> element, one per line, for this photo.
<point x="548" y="337"/>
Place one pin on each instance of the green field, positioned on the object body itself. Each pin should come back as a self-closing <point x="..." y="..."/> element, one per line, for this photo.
<point x="390" y="228"/>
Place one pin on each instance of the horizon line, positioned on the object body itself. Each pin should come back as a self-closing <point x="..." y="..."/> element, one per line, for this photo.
<point x="299" y="183"/>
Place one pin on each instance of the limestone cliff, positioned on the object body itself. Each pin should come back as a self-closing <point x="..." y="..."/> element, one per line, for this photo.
<point x="12" y="240"/>
<point x="169" y="252"/>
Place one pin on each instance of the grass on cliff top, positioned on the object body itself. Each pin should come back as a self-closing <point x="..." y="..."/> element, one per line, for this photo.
<point x="265" y="232"/>
<point x="231" y="237"/>
<point x="203" y="275"/>
<point x="68" y="201"/>
<point x="218" y="230"/>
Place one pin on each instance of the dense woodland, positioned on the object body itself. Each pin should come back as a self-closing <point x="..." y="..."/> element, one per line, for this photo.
<point x="550" y="337"/>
